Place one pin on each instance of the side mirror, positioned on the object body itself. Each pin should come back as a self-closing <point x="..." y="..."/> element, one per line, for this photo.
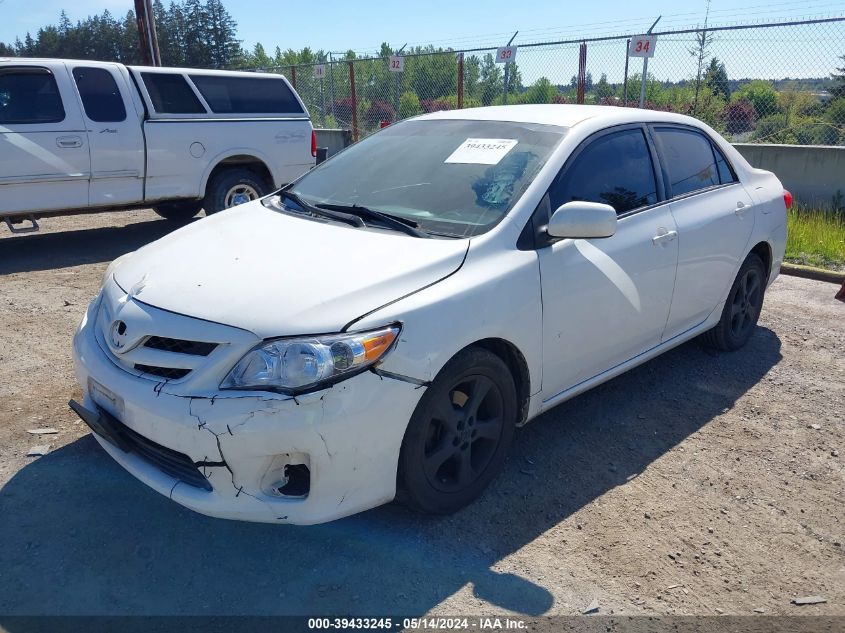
<point x="580" y="219"/>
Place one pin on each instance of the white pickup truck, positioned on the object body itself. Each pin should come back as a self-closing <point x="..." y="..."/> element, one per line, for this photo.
<point x="81" y="137"/>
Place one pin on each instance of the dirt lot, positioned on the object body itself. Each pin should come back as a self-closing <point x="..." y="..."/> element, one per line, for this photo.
<point x="699" y="483"/>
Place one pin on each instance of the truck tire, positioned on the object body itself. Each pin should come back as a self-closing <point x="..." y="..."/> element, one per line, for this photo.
<point x="180" y="211"/>
<point x="232" y="187"/>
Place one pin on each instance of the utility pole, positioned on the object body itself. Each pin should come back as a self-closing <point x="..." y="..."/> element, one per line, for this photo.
<point x="147" y="33"/>
<point x="645" y="66"/>
<point x="505" y="95"/>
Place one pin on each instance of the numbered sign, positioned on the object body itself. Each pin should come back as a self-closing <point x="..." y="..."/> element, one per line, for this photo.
<point x="642" y="46"/>
<point x="396" y="63"/>
<point x="506" y="55"/>
<point x="319" y="71"/>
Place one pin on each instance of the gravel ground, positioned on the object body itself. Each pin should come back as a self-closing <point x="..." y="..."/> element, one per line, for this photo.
<point x="698" y="483"/>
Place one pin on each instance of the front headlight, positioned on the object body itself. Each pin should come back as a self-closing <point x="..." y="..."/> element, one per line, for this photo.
<point x="300" y="364"/>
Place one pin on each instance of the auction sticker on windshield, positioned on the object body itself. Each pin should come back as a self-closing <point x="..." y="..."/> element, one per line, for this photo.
<point x="482" y="151"/>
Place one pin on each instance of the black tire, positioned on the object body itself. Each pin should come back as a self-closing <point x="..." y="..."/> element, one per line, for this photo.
<point x="219" y="191"/>
<point x="180" y="211"/>
<point x="465" y="419"/>
<point x="742" y="309"/>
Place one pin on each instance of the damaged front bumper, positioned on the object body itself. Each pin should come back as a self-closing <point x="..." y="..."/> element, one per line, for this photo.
<point x="260" y="456"/>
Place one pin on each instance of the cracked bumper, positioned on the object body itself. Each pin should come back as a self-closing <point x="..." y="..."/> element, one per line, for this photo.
<point x="351" y="434"/>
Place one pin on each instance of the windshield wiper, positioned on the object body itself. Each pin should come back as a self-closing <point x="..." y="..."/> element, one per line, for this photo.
<point x="393" y="221"/>
<point x="346" y="218"/>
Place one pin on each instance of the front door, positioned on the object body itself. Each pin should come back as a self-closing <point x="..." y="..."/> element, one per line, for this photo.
<point x="44" y="162"/>
<point x="114" y="134"/>
<point x="606" y="300"/>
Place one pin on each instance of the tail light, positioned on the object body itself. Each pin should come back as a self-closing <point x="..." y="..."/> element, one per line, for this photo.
<point x="787" y="199"/>
<point x="314" y="143"/>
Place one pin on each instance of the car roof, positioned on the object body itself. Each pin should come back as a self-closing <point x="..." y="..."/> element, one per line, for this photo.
<point x="564" y="115"/>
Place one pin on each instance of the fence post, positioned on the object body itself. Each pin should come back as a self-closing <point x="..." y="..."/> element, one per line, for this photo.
<point x="625" y="84"/>
<point x="460" y="81"/>
<point x="582" y="71"/>
<point x="354" y="102"/>
<point x="293" y="76"/>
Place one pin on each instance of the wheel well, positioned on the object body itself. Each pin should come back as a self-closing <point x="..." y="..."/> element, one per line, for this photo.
<point x="515" y="361"/>
<point x="764" y="252"/>
<point x="244" y="161"/>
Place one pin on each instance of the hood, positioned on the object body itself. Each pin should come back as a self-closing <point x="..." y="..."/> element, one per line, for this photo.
<point x="279" y="275"/>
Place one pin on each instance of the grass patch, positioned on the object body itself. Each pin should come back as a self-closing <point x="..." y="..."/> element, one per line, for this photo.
<point x="816" y="237"/>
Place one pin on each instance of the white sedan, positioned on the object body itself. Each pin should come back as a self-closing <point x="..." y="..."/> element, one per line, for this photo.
<point x="379" y="328"/>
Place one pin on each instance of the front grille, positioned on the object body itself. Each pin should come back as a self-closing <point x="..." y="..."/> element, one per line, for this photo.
<point x="180" y="346"/>
<point x="173" y="463"/>
<point x="170" y="373"/>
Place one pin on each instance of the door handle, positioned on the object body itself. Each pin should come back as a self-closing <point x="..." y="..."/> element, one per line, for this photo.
<point x="741" y="208"/>
<point x="663" y="236"/>
<point x="69" y="141"/>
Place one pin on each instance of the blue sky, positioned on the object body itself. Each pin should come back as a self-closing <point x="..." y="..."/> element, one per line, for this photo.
<point x="363" y="24"/>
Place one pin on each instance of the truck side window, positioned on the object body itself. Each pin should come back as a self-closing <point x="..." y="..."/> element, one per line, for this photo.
<point x="171" y="94"/>
<point x="100" y="95"/>
<point x="29" y="95"/>
<point x="247" y="95"/>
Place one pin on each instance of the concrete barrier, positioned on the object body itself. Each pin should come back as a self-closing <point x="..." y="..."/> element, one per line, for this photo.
<point x="334" y="140"/>
<point x="814" y="174"/>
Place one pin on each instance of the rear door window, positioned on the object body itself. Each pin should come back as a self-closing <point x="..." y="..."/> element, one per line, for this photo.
<point x="688" y="159"/>
<point x="614" y="169"/>
<point x="101" y="97"/>
<point x="171" y="94"/>
<point x="29" y="96"/>
<point x="726" y="174"/>
<point x="247" y="95"/>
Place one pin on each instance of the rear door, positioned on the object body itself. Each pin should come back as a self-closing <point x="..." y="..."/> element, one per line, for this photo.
<point x="714" y="216"/>
<point x="44" y="161"/>
<point x="114" y="134"/>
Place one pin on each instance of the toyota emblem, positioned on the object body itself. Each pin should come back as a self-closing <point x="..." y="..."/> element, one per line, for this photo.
<point x="118" y="337"/>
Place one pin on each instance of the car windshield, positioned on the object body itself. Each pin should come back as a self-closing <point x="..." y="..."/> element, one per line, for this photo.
<point x="451" y="177"/>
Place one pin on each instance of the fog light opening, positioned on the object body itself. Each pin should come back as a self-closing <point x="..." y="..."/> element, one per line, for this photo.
<point x="296" y="482"/>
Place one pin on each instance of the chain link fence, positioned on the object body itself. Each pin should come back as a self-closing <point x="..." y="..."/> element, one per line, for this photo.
<point x="766" y="83"/>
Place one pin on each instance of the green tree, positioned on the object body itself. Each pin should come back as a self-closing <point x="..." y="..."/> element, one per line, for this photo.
<point x="490" y="80"/>
<point x="761" y="94"/>
<point x="838" y="89"/>
<point x="603" y="90"/>
<point x="716" y="78"/>
<point x="541" y="91"/>
<point x="409" y="105"/>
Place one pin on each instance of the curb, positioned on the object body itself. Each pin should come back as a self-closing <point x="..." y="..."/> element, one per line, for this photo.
<point x="809" y="272"/>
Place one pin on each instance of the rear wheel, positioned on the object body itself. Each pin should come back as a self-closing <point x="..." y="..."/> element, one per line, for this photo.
<point x="742" y="309"/>
<point x="459" y="435"/>
<point x="232" y="187"/>
<point x="179" y="211"/>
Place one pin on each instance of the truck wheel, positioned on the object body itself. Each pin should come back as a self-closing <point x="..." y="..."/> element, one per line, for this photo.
<point x="181" y="211"/>
<point x="232" y="187"/>
<point x="459" y="434"/>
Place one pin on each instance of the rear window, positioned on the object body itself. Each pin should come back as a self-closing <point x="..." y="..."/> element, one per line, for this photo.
<point x="689" y="160"/>
<point x="171" y="94"/>
<point x="247" y="95"/>
<point x="29" y="95"/>
<point x="100" y="95"/>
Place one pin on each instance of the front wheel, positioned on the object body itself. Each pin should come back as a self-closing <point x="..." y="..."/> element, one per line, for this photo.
<point x="742" y="309"/>
<point x="232" y="187"/>
<point x="459" y="435"/>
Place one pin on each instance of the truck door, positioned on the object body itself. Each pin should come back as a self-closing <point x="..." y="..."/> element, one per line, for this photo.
<point x="44" y="161"/>
<point x="114" y="135"/>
